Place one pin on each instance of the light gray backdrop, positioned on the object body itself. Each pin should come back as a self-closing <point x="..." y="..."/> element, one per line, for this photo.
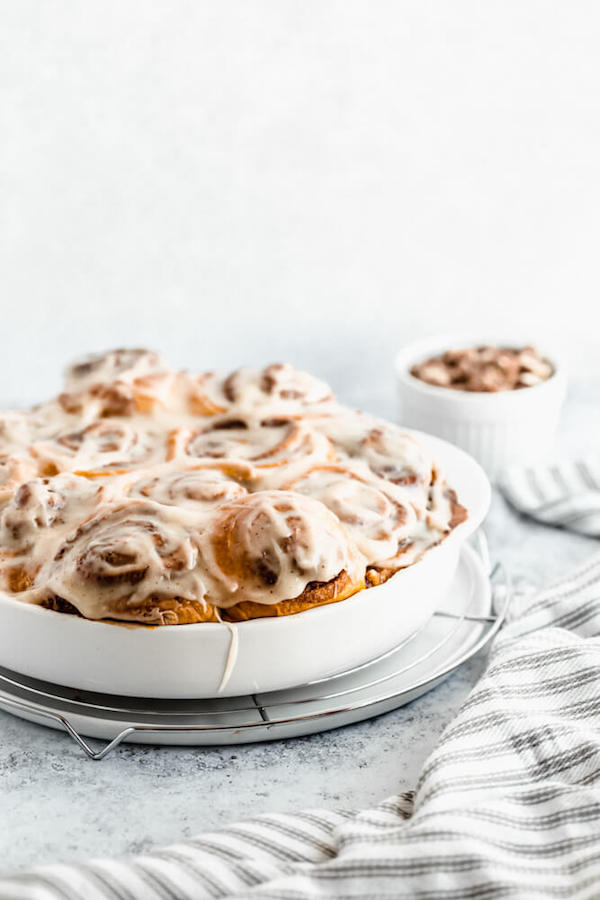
<point x="317" y="181"/>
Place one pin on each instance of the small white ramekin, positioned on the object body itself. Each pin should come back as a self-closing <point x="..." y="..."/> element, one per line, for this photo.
<point x="498" y="429"/>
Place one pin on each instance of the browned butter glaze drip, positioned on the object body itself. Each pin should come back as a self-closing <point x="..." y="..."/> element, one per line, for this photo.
<point x="148" y="495"/>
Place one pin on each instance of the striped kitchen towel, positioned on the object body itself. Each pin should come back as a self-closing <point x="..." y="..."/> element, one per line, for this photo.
<point x="508" y="805"/>
<point x="564" y="494"/>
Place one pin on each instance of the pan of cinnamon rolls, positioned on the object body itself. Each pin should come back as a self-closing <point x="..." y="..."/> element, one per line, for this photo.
<point x="289" y="536"/>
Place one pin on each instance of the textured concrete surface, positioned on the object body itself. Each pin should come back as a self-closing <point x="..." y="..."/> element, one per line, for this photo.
<point x="55" y="804"/>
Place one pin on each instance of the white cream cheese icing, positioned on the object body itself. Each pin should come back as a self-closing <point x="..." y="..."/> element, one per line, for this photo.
<point x="142" y="491"/>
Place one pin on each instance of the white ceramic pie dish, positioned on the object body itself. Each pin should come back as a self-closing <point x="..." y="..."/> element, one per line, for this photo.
<point x="190" y="661"/>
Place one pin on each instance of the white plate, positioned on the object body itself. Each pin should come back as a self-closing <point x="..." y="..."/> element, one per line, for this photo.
<point x="189" y="661"/>
<point x="461" y="625"/>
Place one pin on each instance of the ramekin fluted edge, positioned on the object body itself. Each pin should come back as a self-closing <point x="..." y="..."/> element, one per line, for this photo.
<point x="497" y="429"/>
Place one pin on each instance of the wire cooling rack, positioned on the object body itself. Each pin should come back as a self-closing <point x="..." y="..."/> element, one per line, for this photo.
<point x="465" y="622"/>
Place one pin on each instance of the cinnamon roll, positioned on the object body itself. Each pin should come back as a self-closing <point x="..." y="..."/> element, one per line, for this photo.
<point x="277" y="552"/>
<point x="272" y="443"/>
<point x="35" y="505"/>
<point x="195" y="488"/>
<point x="384" y="448"/>
<point x="396" y="456"/>
<point x="108" y="446"/>
<point x="381" y="525"/>
<point x="137" y="561"/>
<point x="278" y="384"/>
<point x="35" y="520"/>
<point x="144" y="395"/>
<point x="164" y="497"/>
<point x="113" y="366"/>
<point x="206" y="396"/>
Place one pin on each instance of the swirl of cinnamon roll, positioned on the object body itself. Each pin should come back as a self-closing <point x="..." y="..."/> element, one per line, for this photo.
<point x="276" y="552"/>
<point x="195" y="488"/>
<point x="118" y="383"/>
<point x="405" y="463"/>
<point x="32" y="522"/>
<point x="383" y="447"/>
<point x="138" y="562"/>
<point x="396" y="456"/>
<point x="380" y="524"/>
<point x="115" y="365"/>
<point x="42" y="503"/>
<point x="272" y="443"/>
<point x="171" y="392"/>
<point x="35" y="505"/>
<point x="105" y="447"/>
<point x="206" y="397"/>
<point x="277" y="383"/>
